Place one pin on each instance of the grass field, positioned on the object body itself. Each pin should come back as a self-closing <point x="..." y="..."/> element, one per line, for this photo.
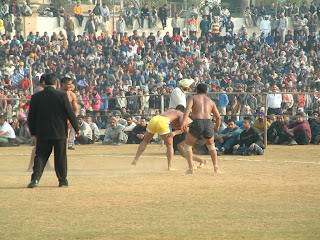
<point x="275" y="196"/>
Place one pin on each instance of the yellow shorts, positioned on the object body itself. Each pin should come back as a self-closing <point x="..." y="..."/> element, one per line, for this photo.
<point x="159" y="124"/>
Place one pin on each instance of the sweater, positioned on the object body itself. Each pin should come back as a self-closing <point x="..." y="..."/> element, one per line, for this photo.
<point x="251" y="136"/>
<point x="304" y="125"/>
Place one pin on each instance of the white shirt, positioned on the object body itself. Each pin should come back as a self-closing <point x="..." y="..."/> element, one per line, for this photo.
<point x="265" y="25"/>
<point x="274" y="100"/>
<point x="9" y="132"/>
<point x="177" y="98"/>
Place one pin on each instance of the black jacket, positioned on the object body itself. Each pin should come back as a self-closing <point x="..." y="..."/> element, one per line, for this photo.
<point x="252" y="136"/>
<point x="48" y="114"/>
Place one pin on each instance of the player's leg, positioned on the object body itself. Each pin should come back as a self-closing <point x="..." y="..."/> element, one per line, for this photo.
<point x="169" y="144"/>
<point x="190" y="140"/>
<point x="195" y="158"/>
<point x="142" y="146"/>
<point x="213" y="153"/>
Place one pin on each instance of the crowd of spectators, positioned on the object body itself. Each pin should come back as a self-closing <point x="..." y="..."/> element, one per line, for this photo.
<point x="114" y="74"/>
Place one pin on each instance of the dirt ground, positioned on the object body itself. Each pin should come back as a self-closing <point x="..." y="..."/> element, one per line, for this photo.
<point x="274" y="196"/>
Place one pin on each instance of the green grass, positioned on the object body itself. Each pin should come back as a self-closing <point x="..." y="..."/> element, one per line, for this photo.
<point x="109" y="199"/>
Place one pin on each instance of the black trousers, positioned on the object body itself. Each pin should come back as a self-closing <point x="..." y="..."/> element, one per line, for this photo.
<point x="80" y="18"/>
<point x="43" y="152"/>
<point x="163" y="21"/>
<point x="301" y="137"/>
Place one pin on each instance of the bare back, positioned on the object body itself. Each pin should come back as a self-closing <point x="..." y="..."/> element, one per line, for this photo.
<point x="175" y="116"/>
<point x="202" y="107"/>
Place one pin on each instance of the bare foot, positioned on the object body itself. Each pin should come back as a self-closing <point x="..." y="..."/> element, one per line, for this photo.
<point x="217" y="170"/>
<point x="171" y="169"/>
<point x="203" y="164"/>
<point x="134" y="162"/>
<point x="189" y="171"/>
<point x="195" y="167"/>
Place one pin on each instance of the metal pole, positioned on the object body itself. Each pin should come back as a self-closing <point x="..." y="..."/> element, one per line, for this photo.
<point x="162" y="110"/>
<point x="31" y="82"/>
<point x="114" y="28"/>
<point x="265" y="120"/>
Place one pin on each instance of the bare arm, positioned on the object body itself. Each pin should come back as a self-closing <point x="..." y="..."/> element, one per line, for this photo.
<point x="186" y="115"/>
<point x="74" y="103"/>
<point x="216" y="114"/>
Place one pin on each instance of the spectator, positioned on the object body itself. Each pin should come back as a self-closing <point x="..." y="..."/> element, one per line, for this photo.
<point x="61" y="15"/>
<point x="114" y="134"/>
<point x="127" y="15"/>
<point x="139" y="131"/>
<point x="135" y="15"/>
<point x="283" y="25"/>
<point x="251" y="142"/>
<point x="145" y="15"/>
<point x="163" y="15"/>
<point x="85" y="132"/>
<point x="91" y="27"/>
<point x="276" y="134"/>
<point x="265" y="26"/>
<point x="94" y="128"/>
<point x="247" y="17"/>
<point x="130" y="125"/>
<point x="7" y="134"/>
<point x="175" y="24"/>
<point x="78" y="13"/>
<point x="260" y="123"/>
<point x="227" y="138"/>
<point x="120" y="27"/>
<point x="205" y="10"/>
<point x="298" y="132"/>
<point x="25" y="10"/>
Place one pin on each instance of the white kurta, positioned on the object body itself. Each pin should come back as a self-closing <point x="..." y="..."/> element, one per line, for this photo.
<point x="177" y="98"/>
<point x="265" y="26"/>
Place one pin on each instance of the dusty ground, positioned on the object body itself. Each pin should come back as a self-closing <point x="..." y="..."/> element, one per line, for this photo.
<point x="275" y="196"/>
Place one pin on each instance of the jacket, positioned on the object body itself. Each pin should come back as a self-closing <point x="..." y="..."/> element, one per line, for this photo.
<point x="48" y="114"/>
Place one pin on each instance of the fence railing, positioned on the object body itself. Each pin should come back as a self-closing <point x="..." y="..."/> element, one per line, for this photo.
<point x="162" y="103"/>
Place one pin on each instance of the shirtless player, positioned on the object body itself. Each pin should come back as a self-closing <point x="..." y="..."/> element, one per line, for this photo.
<point x="66" y="86"/>
<point x="162" y="125"/>
<point x="202" y="125"/>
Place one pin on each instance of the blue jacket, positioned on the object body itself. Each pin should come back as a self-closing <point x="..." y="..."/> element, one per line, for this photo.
<point x="223" y="100"/>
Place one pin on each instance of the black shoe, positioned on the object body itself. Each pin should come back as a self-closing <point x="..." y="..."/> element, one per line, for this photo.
<point x="63" y="184"/>
<point x="33" y="183"/>
<point x="71" y="148"/>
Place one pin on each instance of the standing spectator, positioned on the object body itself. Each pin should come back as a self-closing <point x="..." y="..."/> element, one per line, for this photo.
<point x="192" y="11"/>
<point x="223" y="103"/>
<point x="78" y="13"/>
<point x="274" y="26"/>
<point x="69" y="26"/>
<point x="145" y="14"/>
<point x="120" y="27"/>
<point x="283" y="25"/>
<point x="274" y="101"/>
<point x="91" y="26"/>
<point x="175" y="23"/>
<point x="299" y="132"/>
<point x="205" y="10"/>
<point x="18" y="24"/>
<point x="247" y="17"/>
<point x="14" y="9"/>
<point x="61" y="15"/>
<point x="8" y="25"/>
<point x="26" y="10"/>
<point x="225" y="14"/>
<point x="192" y="26"/>
<point x="215" y="29"/>
<point x="204" y="26"/>
<point x="265" y="26"/>
<point x="304" y="9"/>
<point x="251" y="142"/>
<point x="288" y="9"/>
<point x="163" y="15"/>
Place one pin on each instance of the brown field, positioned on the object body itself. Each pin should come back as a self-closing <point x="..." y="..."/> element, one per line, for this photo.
<point x="275" y="196"/>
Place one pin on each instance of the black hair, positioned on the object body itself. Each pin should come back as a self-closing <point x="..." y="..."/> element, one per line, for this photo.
<point x="51" y="79"/>
<point x="143" y="118"/>
<point x="43" y="78"/>
<point x="2" y="117"/>
<point x="247" y="118"/>
<point x="202" y="88"/>
<point x="65" y="80"/>
<point x="231" y="120"/>
<point x="180" y="108"/>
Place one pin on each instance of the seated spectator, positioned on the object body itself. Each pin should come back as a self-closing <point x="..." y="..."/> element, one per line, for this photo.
<point x="298" y="132"/>
<point x="139" y="131"/>
<point x="85" y="132"/>
<point x="114" y="134"/>
<point x="315" y="128"/>
<point x="275" y="133"/>
<point x="94" y="128"/>
<point x="251" y="142"/>
<point x="25" y="10"/>
<point x="24" y="136"/>
<point x="7" y="134"/>
<point x="227" y="138"/>
<point x="259" y="123"/>
<point x="128" y="129"/>
<point x="78" y="13"/>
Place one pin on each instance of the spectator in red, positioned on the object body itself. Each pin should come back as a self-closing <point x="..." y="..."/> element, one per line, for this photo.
<point x="25" y="83"/>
